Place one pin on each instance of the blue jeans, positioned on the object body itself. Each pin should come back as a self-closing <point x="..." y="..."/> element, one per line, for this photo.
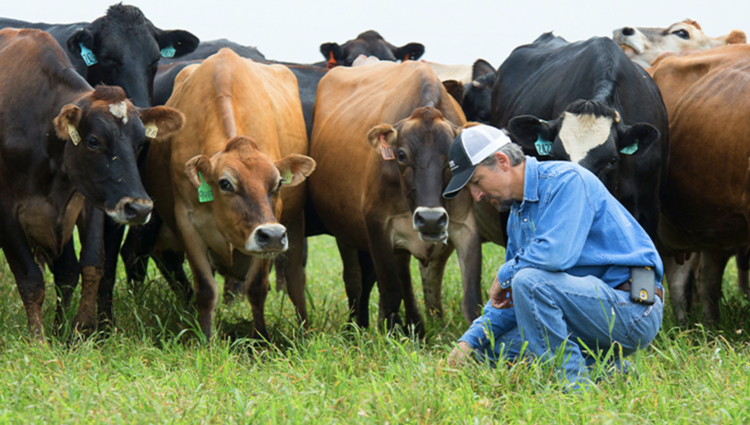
<point x="552" y="310"/>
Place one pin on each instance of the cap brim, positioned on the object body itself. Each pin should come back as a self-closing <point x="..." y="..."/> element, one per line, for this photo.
<point x="458" y="182"/>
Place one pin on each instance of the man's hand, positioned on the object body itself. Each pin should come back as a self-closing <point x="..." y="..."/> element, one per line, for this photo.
<point x="499" y="297"/>
<point x="460" y="354"/>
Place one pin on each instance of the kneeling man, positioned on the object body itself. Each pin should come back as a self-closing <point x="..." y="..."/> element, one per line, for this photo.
<point x="578" y="268"/>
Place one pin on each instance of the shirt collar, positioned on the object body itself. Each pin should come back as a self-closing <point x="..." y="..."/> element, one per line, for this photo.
<point x="531" y="180"/>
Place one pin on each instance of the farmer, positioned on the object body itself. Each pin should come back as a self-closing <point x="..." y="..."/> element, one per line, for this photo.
<point x="572" y="248"/>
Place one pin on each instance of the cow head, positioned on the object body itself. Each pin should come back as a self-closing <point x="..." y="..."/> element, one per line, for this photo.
<point x="245" y="184"/>
<point x="588" y="133"/>
<point x="477" y="94"/>
<point x="127" y="47"/>
<point x="102" y="133"/>
<point x="420" y="146"/>
<point x="644" y="45"/>
<point x="369" y="43"/>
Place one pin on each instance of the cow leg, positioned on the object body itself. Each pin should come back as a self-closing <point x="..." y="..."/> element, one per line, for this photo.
<point x="113" y="233"/>
<point x="170" y="264"/>
<point x="295" y="270"/>
<point x="257" y="292"/>
<point x="678" y="278"/>
<point x="403" y="271"/>
<point x="138" y="247"/>
<point x="65" y="269"/>
<point x="743" y="266"/>
<point x="281" y="264"/>
<point x="352" y="278"/>
<point x="432" y="279"/>
<point x="28" y="274"/>
<point x="92" y="268"/>
<point x="382" y="252"/>
<point x="468" y="241"/>
<point x="709" y="282"/>
<point x="368" y="281"/>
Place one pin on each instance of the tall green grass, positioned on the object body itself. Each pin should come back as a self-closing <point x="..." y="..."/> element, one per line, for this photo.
<point x="155" y="368"/>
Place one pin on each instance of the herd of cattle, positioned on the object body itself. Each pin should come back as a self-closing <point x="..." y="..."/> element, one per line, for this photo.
<point x="213" y="154"/>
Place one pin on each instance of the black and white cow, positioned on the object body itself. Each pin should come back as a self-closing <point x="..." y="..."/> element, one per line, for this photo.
<point x="586" y="102"/>
<point x="121" y="48"/>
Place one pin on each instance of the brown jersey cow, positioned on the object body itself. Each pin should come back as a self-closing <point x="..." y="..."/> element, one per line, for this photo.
<point x="706" y="208"/>
<point x="244" y="144"/>
<point x="381" y="136"/>
<point x="62" y="141"/>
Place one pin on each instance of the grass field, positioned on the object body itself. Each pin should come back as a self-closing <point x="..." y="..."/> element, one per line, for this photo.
<point x="155" y="368"/>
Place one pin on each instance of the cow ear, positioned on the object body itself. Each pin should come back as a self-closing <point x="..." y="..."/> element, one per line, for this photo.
<point x="534" y="134"/>
<point x="66" y="123"/>
<point x="183" y="42"/>
<point x="198" y="164"/>
<point x="382" y="132"/>
<point x="637" y="138"/>
<point x="82" y="36"/>
<point x="411" y="51"/>
<point x="295" y="168"/>
<point x="328" y="49"/>
<point x="455" y="89"/>
<point x="736" y="37"/>
<point x="161" y="121"/>
<point x="481" y="67"/>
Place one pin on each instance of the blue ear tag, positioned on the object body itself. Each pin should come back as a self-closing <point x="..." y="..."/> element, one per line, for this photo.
<point x="168" y="52"/>
<point x="543" y="147"/>
<point x="629" y="150"/>
<point x="88" y="56"/>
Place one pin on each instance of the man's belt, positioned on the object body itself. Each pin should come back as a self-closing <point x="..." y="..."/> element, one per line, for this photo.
<point x="626" y="287"/>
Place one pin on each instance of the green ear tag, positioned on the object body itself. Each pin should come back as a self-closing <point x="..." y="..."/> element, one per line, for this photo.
<point x="286" y="178"/>
<point x="205" y="194"/>
<point x="544" y="147"/>
<point x="629" y="150"/>
<point x="168" y="52"/>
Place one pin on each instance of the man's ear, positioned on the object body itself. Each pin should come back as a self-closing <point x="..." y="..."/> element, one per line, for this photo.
<point x="198" y="164"/>
<point x="481" y="67"/>
<point x="380" y="132"/>
<point x="299" y="166"/>
<point x="527" y="130"/>
<point x="411" y="51"/>
<point x="82" y="36"/>
<point x="66" y="123"/>
<point x="161" y="121"/>
<point x="455" y="89"/>
<point x="637" y="138"/>
<point x="183" y="42"/>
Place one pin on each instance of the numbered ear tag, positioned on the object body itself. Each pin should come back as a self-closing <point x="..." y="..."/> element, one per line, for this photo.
<point x="151" y="130"/>
<point x="88" y="56"/>
<point x="629" y="150"/>
<point x="205" y="194"/>
<point x="168" y="52"/>
<point x="286" y="178"/>
<point x="74" y="136"/>
<point x="385" y="149"/>
<point x="543" y="147"/>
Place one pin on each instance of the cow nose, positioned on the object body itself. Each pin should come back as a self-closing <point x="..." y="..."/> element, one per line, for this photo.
<point x="137" y="212"/>
<point x="270" y="237"/>
<point x="628" y="31"/>
<point x="431" y="223"/>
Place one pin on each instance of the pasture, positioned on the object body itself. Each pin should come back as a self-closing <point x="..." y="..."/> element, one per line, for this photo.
<point x="155" y="367"/>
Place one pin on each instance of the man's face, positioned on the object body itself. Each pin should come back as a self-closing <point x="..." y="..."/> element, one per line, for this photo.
<point x="492" y="184"/>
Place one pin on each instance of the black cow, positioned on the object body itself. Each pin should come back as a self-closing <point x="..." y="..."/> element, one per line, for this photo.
<point x="208" y="48"/>
<point x="477" y="96"/>
<point x="60" y="142"/>
<point x="369" y="43"/>
<point x="121" y="48"/>
<point x="586" y="102"/>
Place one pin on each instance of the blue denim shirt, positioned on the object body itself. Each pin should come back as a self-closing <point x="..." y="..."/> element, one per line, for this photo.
<point x="567" y="222"/>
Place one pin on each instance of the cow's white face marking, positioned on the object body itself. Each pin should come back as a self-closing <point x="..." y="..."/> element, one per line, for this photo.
<point x="119" y="110"/>
<point x="581" y="133"/>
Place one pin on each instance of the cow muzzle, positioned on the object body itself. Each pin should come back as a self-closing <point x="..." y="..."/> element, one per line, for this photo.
<point x="131" y="211"/>
<point x="267" y="241"/>
<point x="431" y="223"/>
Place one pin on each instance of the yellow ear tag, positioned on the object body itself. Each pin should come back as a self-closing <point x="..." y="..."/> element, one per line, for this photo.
<point x="151" y="130"/>
<point x="385" y="149"/>
<point x="74" y="136"/>
<point x="286" y="178"/>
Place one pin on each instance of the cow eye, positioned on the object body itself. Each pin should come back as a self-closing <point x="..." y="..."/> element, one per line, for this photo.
<point x="93" y="143"/>
<point x="402" y="156"/>
<point x="613" y="161"/>
<point x="225" y="185"/>
<point x="682" y="34"/>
